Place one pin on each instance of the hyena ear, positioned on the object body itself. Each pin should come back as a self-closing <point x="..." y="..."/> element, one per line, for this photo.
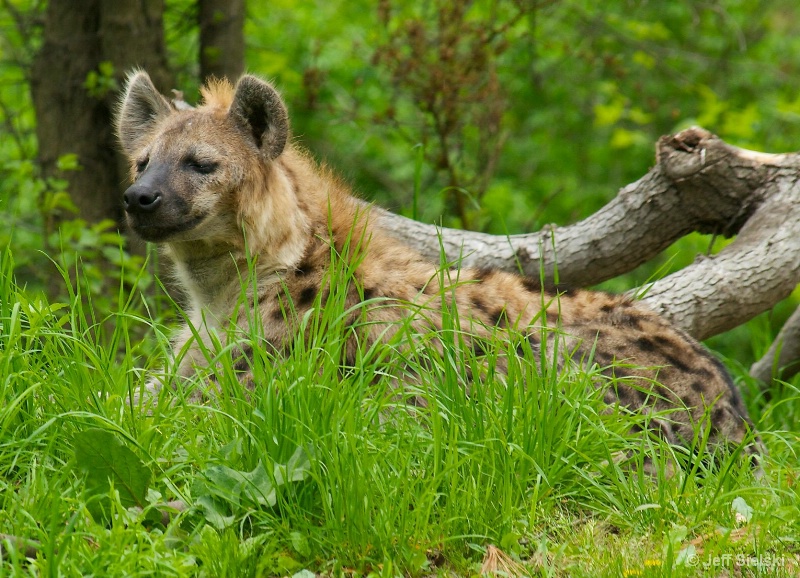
<point x="141" y="108"/>
<point x="259" y="110"/>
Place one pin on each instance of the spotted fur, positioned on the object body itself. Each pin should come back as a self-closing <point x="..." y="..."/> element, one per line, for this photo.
<point x="211" y="183"/>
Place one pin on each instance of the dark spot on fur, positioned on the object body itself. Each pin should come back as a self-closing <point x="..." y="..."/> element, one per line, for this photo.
<point x="717" y="414"/>
<point x="484" y="273"/>
<point x="304" y="269"/>
<point x="602" y="359"/>
<point x="531" y="284"/>
<point x="478" y="304"/>
<point x="536" y="348"/>
<point x="640" y="395"/>
<point x="663" y="341"/>
<point x="662" y="391"/>
<point x="629" y="321"/>
<point x="704" y="373"/>
<point x="607" y="308"/>
<point x="369" y="293"/>
<point x="307" y="296"/>
<point x="242" y="362"/>
<point x="678" y="364"/>
<point x="622" y="372"/>
<point x="645" y="344"/>
<point x="698" y="386"/>
<point x="265" y="294"/>
<point x="277" y="314"/>
<point x="479" y="347"/>
<point x="499" y="318"/>
<point x="624" y="395"/>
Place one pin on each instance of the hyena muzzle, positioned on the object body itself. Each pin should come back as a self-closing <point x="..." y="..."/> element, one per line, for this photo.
<point x="215" y="183"/>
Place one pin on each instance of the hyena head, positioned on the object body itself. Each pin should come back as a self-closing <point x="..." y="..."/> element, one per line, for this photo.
<point x="210" y="175"/>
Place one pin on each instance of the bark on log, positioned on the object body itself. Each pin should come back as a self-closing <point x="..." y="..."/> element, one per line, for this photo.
<point x="699" y="183"/>
<point x="782" y="360"/>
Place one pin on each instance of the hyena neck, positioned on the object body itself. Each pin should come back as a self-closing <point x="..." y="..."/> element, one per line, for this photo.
<point x="211" y="276"/>
<point x="325" y="212"/>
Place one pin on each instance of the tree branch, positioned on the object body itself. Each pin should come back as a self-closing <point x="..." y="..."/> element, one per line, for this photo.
<point x="782" y="360"/>
<point x="700" y="183"/>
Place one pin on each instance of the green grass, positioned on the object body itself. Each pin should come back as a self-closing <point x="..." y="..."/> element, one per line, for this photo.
<point x="330" y="471"/>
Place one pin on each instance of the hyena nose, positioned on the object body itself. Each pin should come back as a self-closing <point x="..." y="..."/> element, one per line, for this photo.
<point x="141" y="200"/>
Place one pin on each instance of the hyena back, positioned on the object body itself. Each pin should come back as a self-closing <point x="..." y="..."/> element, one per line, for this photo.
<point x="217" y="183"/>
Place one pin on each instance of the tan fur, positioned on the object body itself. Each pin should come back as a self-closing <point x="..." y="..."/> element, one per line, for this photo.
<point x="229" y="170"/>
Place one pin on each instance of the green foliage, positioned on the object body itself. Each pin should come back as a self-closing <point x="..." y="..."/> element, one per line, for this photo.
<point x="327" y="468"/>
<point x="101" y="82"/>
<point x="586" y="90"/>
<point x="109" y="466"/>
<point x="225" y="494"/>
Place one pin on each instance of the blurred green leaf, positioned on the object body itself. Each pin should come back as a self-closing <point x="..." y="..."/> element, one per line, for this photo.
<point x="107" y="463"/>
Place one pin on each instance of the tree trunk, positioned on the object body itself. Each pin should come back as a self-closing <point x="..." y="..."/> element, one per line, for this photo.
<point x="221" y="38"/>
<point x="782" y="360"/>
<point x="699" y="184"/>
<point x="132" y="36"/>
<point x="74" y="111"/>
<point x="69" y="119"/>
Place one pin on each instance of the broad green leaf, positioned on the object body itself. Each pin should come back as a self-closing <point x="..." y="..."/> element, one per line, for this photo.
<point x="214" y="513"/>
<point x="225" y="489"/>
<point x="300" y="544"/>
<point x="236" y="487"/>
<point x="295" y="470"/>
<point x="687" y="556"/>
<point x="741" y="510"/>
<point x="107" y="462"/>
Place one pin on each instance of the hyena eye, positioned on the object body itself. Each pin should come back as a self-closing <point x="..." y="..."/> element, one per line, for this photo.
<point x="202" y="167"/>
<point x="142" y="165"/>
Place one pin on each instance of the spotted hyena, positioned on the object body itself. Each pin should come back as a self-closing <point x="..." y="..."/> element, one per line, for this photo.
<point x="217" y="182"/>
